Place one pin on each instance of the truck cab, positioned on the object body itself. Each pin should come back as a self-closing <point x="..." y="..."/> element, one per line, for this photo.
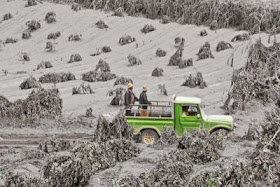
<point x="181" y="114"/>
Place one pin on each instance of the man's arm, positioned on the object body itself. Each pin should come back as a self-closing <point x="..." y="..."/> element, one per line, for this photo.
<point x="146" y="99"/>
<point x="126" y="99"/>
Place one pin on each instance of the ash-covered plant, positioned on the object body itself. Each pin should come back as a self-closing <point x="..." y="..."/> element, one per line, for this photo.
<point x="203" y="33"/>
<point x="106" y="49"/>
<point x="29" y="83"/>
<point x="157" y="72"/>
<point x="118" y="128"/>
<point x="44" y="65"/>
<point x="259" y="79"/>
<point x="101" y="24"/>
<point x="241" y="37"/>
<point x="119" y="12"/>
<point x="214" y="25"/>
<point x="40" y="103"/>
<point x="147" y="28"/>
<point x="75" y="58"/>
<point x="23" y="56"/>
<point x="50" y="17"/>
<point x="75" y="37"/>
<point x="193" y="81"/>
<point x="75" y="7"/>
<point x="222" y="45"/>
<point x="54" y="35"/>
<point x="133" y="60"/>
<point x="126" y="39"/>
<point x="89" y="112"/>
<point x="185" y="63"/>
<point x="82" y="89"/>
<point x="103" y="66"/>
<point x="160" y="52"/>
<point x="98" y="75"/>
<point x="31" y="3"/>
<point x="200" y="147"/>
<point x="50" y="47"/>
<point x="162" y="89"/>
<point x="11" y="40"/>
<point x="7" y="16"/>
<point x="176" y="58"/>
<point x="252" y="133"/>
<point x="205" y="52"/>
<point x="26" y="35"/>
<point x="57" y="77"/>
<point x="178" y="40"/>
<point x="33" y="25"/>
<point x="98" y="52"/>
<point x="118" y="96"/>
<point x="165" y="19"/>
<point x="14" y="179"/>
<point x="168" y="137"/>
<point x="123" y="81"/>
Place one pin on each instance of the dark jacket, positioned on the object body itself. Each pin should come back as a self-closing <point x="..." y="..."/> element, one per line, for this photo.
<point x="144" y="100"/>
<point x="127" y="98"/>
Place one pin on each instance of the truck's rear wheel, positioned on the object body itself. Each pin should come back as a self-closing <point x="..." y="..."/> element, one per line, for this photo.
<point x="149" y="136"/>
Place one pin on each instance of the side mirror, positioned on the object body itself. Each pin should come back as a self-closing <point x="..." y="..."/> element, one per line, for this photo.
<point x="198" y="116"/>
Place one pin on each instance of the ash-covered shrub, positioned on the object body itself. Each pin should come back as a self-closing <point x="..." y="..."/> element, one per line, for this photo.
<point x="133" y="60"/>
<point x="44" y="65"/>
<point x="98" y="52"/>
<point x="178" y="40"/>
<point x="126" y="39"/>
<point x="200" y="147"/>
<point x="98" y="75"/>
<point x="185" y="63"/>
<point x="162" y="89"/>
<point x="39" y="104"/>
<point x="176" y="58"/>
<point x="75" y="7"/>
<point x="33" y="25"/>
<point x="241" y="37"/>
<point x="89" y="113"/>
<point x="50" y="17"/>
<point x="75" y="58"/>
<point x="118" y="96"/>
<point x="205" y="52"/>
<point x="7" y="16"/>
<point x="118" y="128"/>
<point x="119" y="12"/>
<point x="101" y="24"/>
<point x="106" y="49"/>
<point x="160" y="52"/>
<point x="123" y="81"/>
<point x="11" y="40"/>
<point x="222" y="45"/>
<point x="193" y="81"/>
<point x="14" y="179"/>
<point x="56" y="77"/>
<point x="82" y="89"/>
<point x="23" y="56"/>
<point x="259" y="79"/>
<point x="103" y="66"/>
<point x="31" y="3"/>
<point x="50" y="47"/>
<point x="26" y="35"/>
<point x="157" y="72"/>
<point x="167" y="137"/>
<point x="29" y="83"/>
<point x="165" y="19"/>
<point x="214" y="25"/>
<point x="203" y="33"/>
<point x="147" y="28"/>
<point x="54" y="35"/>
<point x="74" y="37"/>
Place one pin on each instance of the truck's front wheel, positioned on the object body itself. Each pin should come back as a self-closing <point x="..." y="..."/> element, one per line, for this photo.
<point x="149" y="136"/>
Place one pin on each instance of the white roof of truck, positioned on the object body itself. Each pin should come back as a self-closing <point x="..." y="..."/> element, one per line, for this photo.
<point x="192" y="100"/>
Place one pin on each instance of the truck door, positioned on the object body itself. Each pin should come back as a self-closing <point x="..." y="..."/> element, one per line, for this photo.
<point x="188" y="116"/>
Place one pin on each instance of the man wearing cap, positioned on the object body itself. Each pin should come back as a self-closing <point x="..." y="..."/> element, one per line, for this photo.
<point x="144" y="100"/>
<point x="129" y="98"/>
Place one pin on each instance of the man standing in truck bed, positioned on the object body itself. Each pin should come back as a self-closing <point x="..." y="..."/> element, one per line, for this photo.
<point x="129" y="98"/>
<point x="144" y="100"/>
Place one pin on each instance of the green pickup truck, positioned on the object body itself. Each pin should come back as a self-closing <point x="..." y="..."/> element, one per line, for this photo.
<point x="182" y="114"/>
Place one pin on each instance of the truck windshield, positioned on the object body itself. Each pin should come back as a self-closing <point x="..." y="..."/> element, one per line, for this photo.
<point x="202" y="113"/>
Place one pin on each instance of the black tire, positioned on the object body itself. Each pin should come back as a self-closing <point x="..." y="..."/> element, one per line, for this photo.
<point x="149" y="136"/>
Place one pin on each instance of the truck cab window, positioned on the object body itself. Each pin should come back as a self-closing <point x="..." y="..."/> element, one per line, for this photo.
<point x="191" y="110"/>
